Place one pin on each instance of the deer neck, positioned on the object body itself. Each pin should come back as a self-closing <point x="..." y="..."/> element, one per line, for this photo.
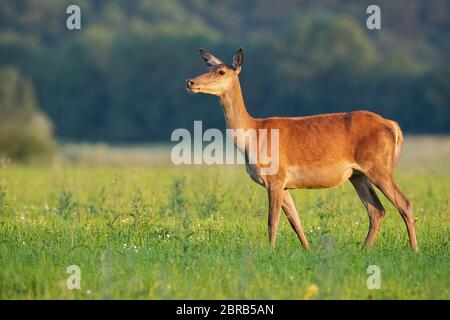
<point x="236" y="115"/>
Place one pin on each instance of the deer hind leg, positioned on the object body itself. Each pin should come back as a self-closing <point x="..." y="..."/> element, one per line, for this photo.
<point x="373" y="206"/>
<point x="403" y="206"/>
<point x="275" y="201"/>
<point x="378" y="166"/>
<point x="292" y="215"/>
<point x="384" y="181"/>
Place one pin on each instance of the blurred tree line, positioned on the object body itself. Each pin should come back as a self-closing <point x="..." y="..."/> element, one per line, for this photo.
<point x="121" y="77"/>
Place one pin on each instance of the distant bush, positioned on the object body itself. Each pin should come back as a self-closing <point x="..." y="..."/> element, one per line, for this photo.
<point x="25" y="132"/>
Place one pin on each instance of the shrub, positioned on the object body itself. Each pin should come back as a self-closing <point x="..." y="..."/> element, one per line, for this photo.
<point x="25" y="132"/>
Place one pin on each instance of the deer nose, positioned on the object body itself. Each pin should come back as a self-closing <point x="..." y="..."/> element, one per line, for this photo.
<point x="189" y="82"/>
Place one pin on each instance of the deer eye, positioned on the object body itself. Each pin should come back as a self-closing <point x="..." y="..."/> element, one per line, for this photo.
<point x="221" y="72"/>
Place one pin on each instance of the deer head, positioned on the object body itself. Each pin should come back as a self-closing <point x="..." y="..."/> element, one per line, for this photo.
<point x="220" y="76"/>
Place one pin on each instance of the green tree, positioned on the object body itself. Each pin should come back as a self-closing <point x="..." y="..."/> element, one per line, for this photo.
<point x="319" y="65"/>
<point x="25" y="132"/>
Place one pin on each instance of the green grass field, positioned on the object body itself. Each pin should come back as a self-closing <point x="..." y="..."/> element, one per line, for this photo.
<point x="142" y="231"/>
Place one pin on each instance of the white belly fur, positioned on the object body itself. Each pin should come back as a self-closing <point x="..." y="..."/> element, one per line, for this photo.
<point x="309" y="177"/>
<point x="318" y="177"/>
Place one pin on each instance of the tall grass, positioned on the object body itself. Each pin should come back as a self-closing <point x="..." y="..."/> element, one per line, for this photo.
<point x="201" y="232"/>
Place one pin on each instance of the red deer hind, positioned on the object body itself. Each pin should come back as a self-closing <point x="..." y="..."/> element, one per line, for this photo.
<point x="315" y="152"/>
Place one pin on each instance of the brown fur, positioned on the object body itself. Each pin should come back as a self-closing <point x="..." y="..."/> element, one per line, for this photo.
<point x="317" y="152"/>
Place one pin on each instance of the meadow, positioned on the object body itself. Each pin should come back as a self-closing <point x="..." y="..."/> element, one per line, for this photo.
<point x="139" y="228"/>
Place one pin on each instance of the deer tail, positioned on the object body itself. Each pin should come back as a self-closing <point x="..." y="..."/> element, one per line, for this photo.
<point x="398" y="140"/>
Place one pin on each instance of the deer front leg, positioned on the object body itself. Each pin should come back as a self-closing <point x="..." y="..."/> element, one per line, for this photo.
<point x="294" y="220"/>
<point x="275" y="201"/>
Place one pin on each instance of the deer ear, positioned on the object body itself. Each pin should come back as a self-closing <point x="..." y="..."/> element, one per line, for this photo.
<point x="238" y="59"/>
<point x="210" y="59"/>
